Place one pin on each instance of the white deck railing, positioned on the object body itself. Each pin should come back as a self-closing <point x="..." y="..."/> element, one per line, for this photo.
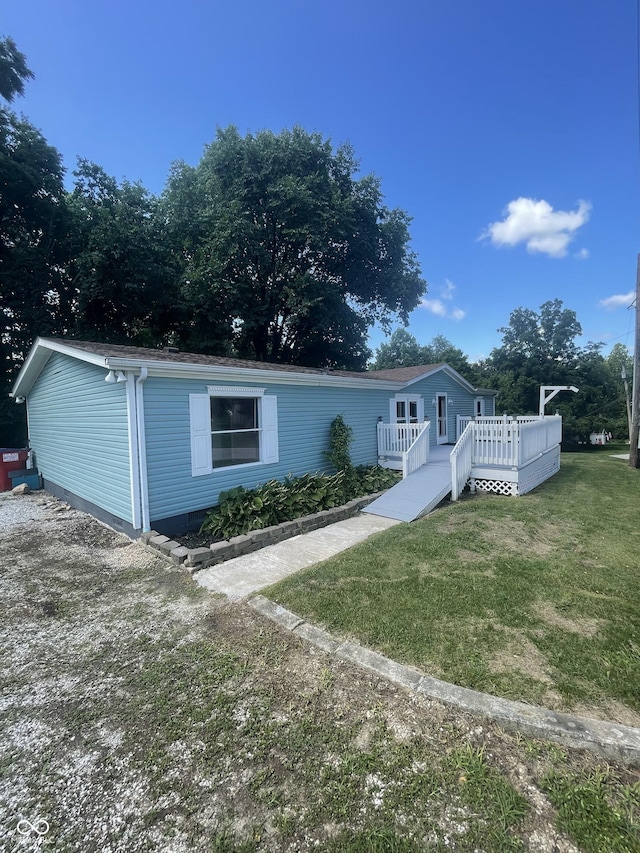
<point x="509" y="442"/>
<point x="396" y="439"/>
<point x="495" y="441"/>
<point x="536" y="437"/>
<point x="417" y="454"/>
<point x="462" y="421"/>
<point x="461" y="460"/>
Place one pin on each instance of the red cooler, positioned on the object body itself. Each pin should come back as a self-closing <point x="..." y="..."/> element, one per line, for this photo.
<point x="11" y="459"/>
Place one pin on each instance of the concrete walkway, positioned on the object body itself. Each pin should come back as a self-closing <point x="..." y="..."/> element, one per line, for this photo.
<point x="242" y="576"/>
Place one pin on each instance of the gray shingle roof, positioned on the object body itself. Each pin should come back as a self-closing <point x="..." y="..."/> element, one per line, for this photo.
<point x="169" y="355"/>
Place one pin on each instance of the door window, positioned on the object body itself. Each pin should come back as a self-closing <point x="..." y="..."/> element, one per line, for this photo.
<point x="407" y="410"/>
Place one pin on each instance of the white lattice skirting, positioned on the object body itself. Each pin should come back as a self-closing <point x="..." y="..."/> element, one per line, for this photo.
<point x="495" y="487"/>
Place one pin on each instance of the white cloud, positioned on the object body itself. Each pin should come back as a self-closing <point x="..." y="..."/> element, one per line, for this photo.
<point x="437" y="306"/>
<point x="619" y="300"/>
<point x="448" y="289"/>
<point x="538" y="225"/>
<point x="583" y="254"/>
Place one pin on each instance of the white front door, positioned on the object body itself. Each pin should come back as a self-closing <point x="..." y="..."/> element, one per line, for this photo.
<point x="441" y="419"/>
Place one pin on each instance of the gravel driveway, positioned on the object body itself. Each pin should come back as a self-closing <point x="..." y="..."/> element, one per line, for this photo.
<point x="140" y="713"/>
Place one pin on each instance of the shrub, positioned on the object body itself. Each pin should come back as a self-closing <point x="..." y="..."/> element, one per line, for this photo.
<point x="241" y="510"/>
<point x="340" y="438"/>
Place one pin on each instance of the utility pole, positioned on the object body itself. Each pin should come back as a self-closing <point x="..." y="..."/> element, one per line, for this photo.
<point x="626" y="399"/>
<point x="634" y="458"/>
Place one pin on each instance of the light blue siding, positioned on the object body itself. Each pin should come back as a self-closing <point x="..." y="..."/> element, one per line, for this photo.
<point x="304" y="416"/>
<point x="460" y="401"/>
<point x="78" y="430"/>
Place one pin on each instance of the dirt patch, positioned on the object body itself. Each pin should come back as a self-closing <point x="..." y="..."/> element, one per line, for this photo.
<point x="610" y="710"/>
<point x="523" y="655"/>
<point x="586" y="626"/>
<point x="512" y="535"/>
<point x="521" y="658"/>
<point x="475" y="562"/>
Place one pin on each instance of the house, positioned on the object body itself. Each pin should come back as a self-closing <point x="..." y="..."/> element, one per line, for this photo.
<point x="146" y="438"/>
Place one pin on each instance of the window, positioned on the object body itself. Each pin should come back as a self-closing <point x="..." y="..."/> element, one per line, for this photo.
<point x="479" y="407"/>
<point x="232" y="427"/>
<point x="407" y="410"/>
<point x="235" y="434"/>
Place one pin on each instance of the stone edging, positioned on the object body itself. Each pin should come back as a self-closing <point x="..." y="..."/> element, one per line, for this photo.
<point x="612" y="740"/>
<point x="195" y="559"/>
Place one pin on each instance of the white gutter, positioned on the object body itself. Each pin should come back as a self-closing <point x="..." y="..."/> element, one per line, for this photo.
<point x="142" y="451"/>
<point x="132" y="432"/>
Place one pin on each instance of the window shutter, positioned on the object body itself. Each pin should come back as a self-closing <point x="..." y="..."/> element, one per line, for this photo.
<point x="200" y="419"/>
<point x="392" y="411"/>
<point x="269" y="425"/>
<point x="420" y="409"/>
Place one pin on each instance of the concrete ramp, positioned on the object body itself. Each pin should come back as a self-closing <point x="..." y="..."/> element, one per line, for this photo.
<point x="416" y="495"/>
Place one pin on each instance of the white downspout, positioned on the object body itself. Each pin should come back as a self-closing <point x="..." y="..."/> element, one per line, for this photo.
<point x="134" y="476"/>
<point x="142" y="451"/>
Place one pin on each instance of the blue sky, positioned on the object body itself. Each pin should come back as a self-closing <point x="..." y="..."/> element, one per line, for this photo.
<point x="508" y="129"/>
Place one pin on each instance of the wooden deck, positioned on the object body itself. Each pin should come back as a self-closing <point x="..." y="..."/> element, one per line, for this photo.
<point x="506" y="456"/>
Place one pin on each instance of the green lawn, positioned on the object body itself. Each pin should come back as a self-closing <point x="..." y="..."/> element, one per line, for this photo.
<point x="534" y="598"/>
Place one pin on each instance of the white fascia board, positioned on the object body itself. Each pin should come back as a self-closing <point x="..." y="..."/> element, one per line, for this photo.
<point x="246" y="374"/>
<point x="66" y="349"/>
<point x="39" y="355"/>
<point x="450" y="372"/>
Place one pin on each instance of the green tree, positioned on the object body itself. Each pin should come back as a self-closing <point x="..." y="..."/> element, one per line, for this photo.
<point x="538" y="348"/>
<point x="13" y="70"/>
<point x="539" y="338"/>
<point x="441" y="350"/>
<point x="119" y="262"/>
<point x="285" y="255"/>
<point x="34" y="297"/>
<point x="401" y="350"/>
<point x="620" y="358"/>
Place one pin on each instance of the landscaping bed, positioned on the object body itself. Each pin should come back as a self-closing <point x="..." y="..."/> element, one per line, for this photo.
<point x="195" y="553"/>
<point x="246" y="520"/>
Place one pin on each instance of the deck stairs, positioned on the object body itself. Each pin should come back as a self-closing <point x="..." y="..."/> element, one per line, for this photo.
<point x="420" y="492"/>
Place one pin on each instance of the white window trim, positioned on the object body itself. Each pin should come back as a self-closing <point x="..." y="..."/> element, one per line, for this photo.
<point x="201" y="432"/>
<point x="234" y="391"/>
